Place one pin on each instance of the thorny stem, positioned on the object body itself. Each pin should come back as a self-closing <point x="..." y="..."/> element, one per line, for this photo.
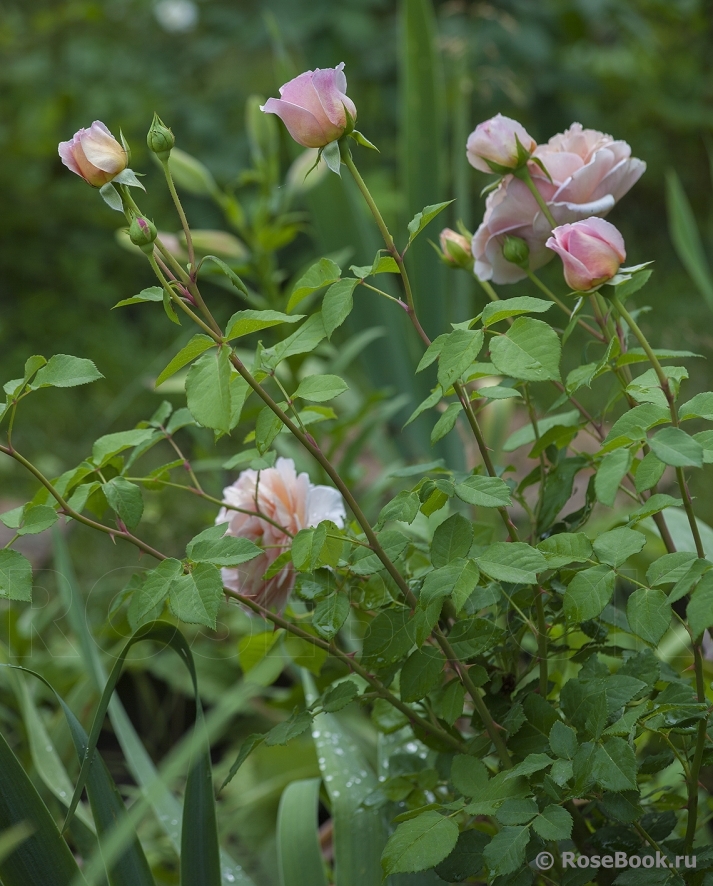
<point x="560" y="304"/>
<point x="353" y="665"/>
<point x="75" y="515"/>
<point x="182" y="216"/>
<point x="688" y="505"/>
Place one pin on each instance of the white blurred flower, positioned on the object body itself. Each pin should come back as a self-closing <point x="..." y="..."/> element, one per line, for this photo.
<point x="176" y="16"/>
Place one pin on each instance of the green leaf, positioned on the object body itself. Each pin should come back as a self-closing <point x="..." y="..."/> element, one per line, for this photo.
<point x="422" y="218"/>
<point x="432" y="352"/>
<point x="302" y="341"/>
<point x="153" y="590"/>
<point x="195" y="347"/>
<point x="64" y="371"/>
<point x="616" y="546"/>
<point x="700" y="406"/>
<point x="653" y="505"/>
<point x="191" y="175"/>
<point x="669" y="568"/>
<point x="649" y="471"/>
<point x="299" y="855"/>
<point x="526" y="434"/>
<point x="382" y="264"/>
<point x="195" y="598"/>
<point x="563" y="740"/>
<point x="364" y="561"/>
<point x="153" y="293"/>
<point x="37" y="518"/>
<point x="446" y="422"/>
<point x="517" y="811"/>
<point x="322" y="273"/>
<point x="297" y="723"/>
<point x="649" y="614"/>
<point x="685" y="236"/>
<point x="487" y="492"/>
<point x="213" y="546"/>
<point x="614" y="767"/>
<point x="675" y="447"/>
<point x="106" y="447"/>
<point x="125" y="500"/>
<point x="389" y="637"/>
<point x="588" y="593"/>
<point x="459" y="350"/>
<point x="506" y="851"/>
<point x="634" y="424"/>
<point x="330" y="614"/>
<point x="553" y="823"/>
<point x="469" y="775"/>
<point x="451" y="540"/>
<point x="611" y="471"/>
<point x="227" y="271"/>
<point x="705" y="438"/>
<point x="339" y="695"/>
<point x="470" y="637"/>
<point x="246" y="322"/>
<point x="699" y="612"/>
<point x="529" y="351"/>
<point x="419" y="844"/>
<point x="514" y="562"/>
<point x="319" y="388"/>
<point x="564" y="548"/>
<point x="512" y="307"/>
<point x="208" y="390"/>
<point x="646" y="388"/>
<point x="421" y="673"/>
<point x="337" y="304"/>
<point x="466" y="860"/>
<point x="267" y="427"/>
<point x="452" y="702"/>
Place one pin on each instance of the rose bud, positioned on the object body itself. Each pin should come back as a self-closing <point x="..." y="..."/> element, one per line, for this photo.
<point x="499" y="145"/>
<point x="314" y="107"/>
<point x="455" y="249"/>
<point x="94" y="154"/>
<point x="591" y="251"/>
<point x="160" y="139"/>
<point x="142" y="233"/>
<point x="516" y="250"/>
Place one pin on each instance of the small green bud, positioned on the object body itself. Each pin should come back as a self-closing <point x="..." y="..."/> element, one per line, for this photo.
<point x="160" y="139"/>
<point x="516" y="250"/>
<point x="142" y="233"/>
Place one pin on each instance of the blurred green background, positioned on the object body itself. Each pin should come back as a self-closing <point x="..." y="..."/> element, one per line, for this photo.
<point x="422" y="76"/>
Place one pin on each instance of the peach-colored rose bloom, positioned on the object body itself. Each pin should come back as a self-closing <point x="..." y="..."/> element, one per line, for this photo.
<point x="591" y="250"/>
<point x="590" y="172"/>
<point x="94" y="154"/>
<point x="496" y="140"/>
<point x="314" y="106"/>
<point x="291" y="501"/>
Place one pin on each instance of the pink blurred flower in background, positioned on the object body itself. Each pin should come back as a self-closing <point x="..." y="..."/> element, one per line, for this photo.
<point x="591" y="250"/>
<point x="314" y="106"/>
<point x="496" y="140"/>
<point x="292" y="502"/>
<point x="590" y="173"/>
<point x="94" y="154"/>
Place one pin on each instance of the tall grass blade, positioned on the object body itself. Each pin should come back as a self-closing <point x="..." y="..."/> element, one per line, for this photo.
<point x="299" y="857"/>
<point x="359" y="835"/>
<point x="686" y="237"/>
<point x="43" y="858"/>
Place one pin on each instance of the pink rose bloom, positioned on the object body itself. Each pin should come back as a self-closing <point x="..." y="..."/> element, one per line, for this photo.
<point x="590" y="173"/>
<point x="455" y="248"/>
<point x="314" y="106"/>
<point x="496" y="141"/>
<point x="591" y="251"/>
<point x="94" y="154"/>
<point x="291" y="501"/>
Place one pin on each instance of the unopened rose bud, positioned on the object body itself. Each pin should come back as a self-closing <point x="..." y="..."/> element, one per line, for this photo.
<point x="160" y="139"/>
<point x="94" y="154"/>
<point x="455" y="249"/>
<point x="315" y="107"/>
<point x="516" y="250"/>
<point x="591" y="250"/>
<point x="142" y="233"/>
<point x="499" y="145"/>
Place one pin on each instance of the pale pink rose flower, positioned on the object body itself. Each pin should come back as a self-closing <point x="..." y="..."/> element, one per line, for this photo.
<point x="590" y="173"/>
<point x="496" y="140"/>
<point x="591" y="250"/>
<point x="314" y="106"/>
<point x="292" y="502"/>
<point x="455" y="248"/>
<point x="94" y="154"/>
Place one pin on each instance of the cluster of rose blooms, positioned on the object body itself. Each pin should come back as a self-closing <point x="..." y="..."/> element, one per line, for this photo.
<point x="549" y="199"/>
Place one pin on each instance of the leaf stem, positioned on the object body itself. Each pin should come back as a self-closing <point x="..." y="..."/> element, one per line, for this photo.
<point x="524" y="175"/>
<point x="562" y="306"/>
